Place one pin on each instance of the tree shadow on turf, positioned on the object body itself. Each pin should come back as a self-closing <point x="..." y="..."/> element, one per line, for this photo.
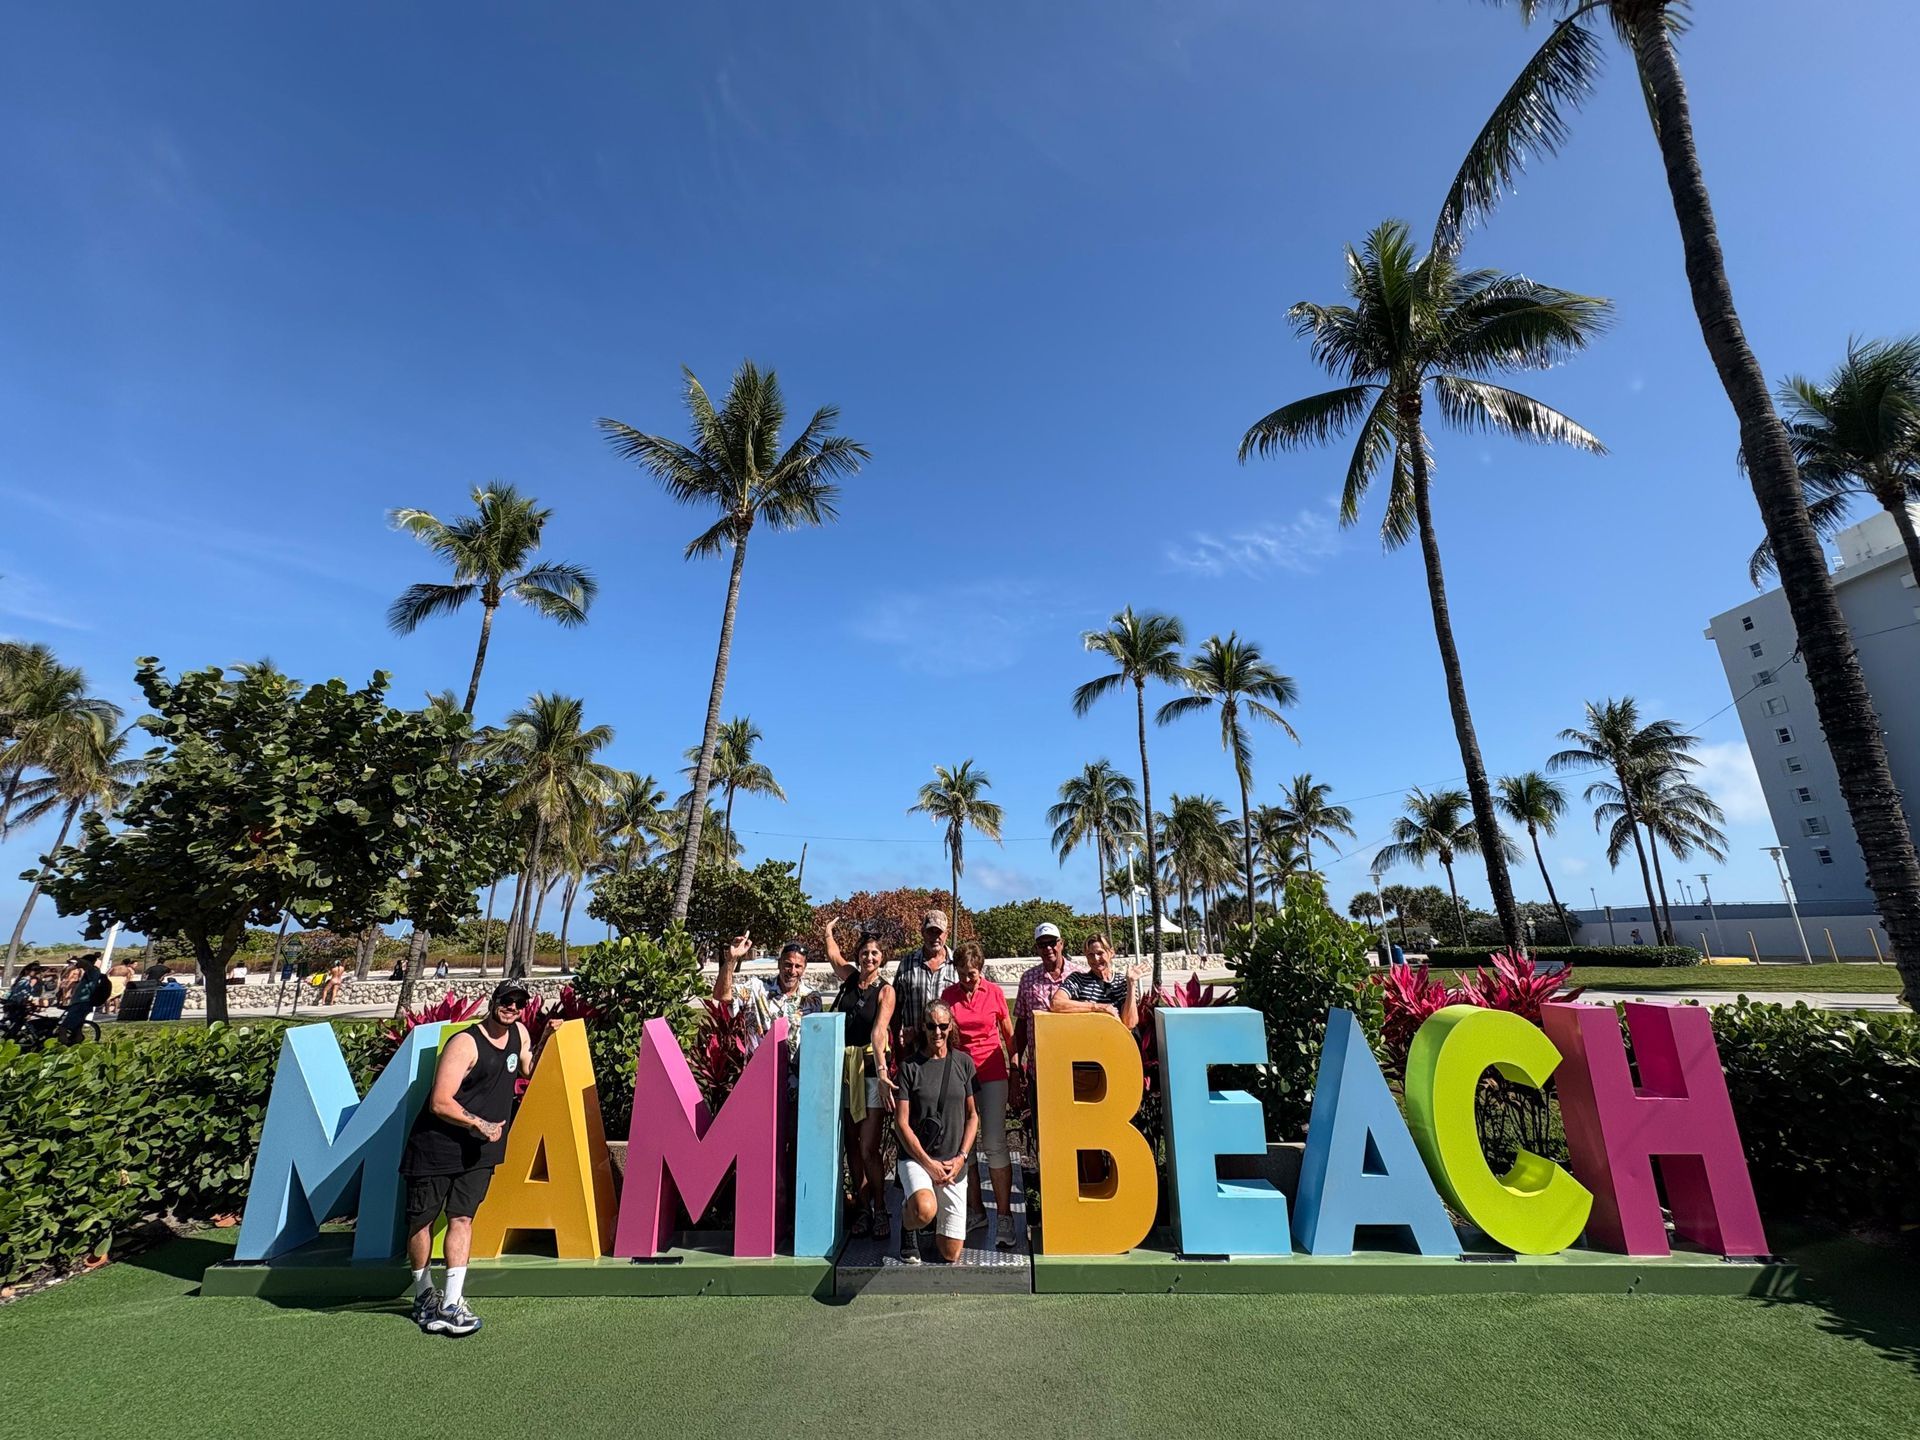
<point x="183" y="1258"/>
<point x="1867" y="1293"/>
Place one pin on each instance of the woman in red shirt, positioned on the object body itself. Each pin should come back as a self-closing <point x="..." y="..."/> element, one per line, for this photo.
<point x="984" y="1030"/>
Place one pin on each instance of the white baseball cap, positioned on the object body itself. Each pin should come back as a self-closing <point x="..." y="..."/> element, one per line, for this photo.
<point x="1041" y="932"/>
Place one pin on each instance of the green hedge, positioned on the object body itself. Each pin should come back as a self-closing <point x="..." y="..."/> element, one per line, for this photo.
<point x="1829" y="1108"/>
<point x="1646" y="957"/>
<point x="98" y="1140"/>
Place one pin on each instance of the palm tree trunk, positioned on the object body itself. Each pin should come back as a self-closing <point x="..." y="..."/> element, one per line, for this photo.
<point x="1100" y="854"/>
<point x="1499" y="883"/>
<point x="728" y="847"/>
<point x="1246" y="842"/>
<point x="1533" y="834"/>
<point x="363" y="959"/>
<point x="416" y="962"/>
<point x="1896" y="506"/>
<point x="1840" y="694"/>
<point x="519" y="939"/>
<point x="566" y="917"/>
<point x="486" y="928"/>
<point x="953" y="882"/>
<point x="33" y="895"/>
<point x="1153" y="849"/>
<point x="1459" y="915"/>
<point x="703" y="772"/>
<point x="533" y="930"/>
<point x="480" y="656"/>
<point x="1639" y="847"/>
<point x="1664" y="929"/>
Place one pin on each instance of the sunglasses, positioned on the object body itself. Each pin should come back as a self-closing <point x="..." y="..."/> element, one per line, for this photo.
<point x="1048" y="942"/>
<point x="934" y="1027"/>
<point x="509" y="1004"/>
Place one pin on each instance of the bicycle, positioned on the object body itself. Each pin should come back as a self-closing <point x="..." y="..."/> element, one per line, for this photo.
<point x="32" y="1030"/>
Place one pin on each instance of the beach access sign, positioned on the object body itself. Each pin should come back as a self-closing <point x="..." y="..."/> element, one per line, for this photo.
<point x="327" y="1151"/>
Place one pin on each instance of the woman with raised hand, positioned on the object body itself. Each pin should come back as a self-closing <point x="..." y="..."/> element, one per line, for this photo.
<point x="866" y="999"/>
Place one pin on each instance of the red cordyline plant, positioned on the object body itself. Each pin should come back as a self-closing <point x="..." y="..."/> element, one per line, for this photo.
<point x="1516" y="983"/>
<point x="539" y="1017"/>
<point x="1408" y="996"/>
<point x="449" y="1008"/>
<point x="724" y="1043"/>
<point x="1190" y="996"/>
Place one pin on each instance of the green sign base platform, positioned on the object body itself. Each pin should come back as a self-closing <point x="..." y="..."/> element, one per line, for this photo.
<point x="1377" y="1272"/>
<point x="324" y="1271"/>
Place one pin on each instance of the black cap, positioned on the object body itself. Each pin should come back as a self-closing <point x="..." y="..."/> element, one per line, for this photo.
<point x="511" y="989"/>
<point x="791" y="946"/>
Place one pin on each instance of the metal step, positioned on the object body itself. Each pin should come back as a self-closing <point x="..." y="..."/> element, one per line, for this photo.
<point x="872" y="1265"/>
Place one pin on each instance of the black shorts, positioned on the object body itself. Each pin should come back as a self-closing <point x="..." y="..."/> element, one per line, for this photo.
<point x="458" y="1195"/>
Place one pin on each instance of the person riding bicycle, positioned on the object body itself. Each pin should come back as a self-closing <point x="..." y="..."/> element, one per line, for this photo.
<point x="23" y="998"/>
<point x="88" y="990"/>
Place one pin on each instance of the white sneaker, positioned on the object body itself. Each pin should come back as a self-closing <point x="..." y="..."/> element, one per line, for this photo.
<point x="455" y="1320"/>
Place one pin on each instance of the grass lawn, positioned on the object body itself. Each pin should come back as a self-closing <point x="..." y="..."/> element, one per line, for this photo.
<point x="130" y="1350"/>
<point x="1744" y="979"/>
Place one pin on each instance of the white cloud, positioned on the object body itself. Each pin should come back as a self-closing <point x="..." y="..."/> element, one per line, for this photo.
<point x="1727" y="773"/>
<point x="1298" y="545"/>
<point x="970" y="629"/>
<point x="24" y="598"/>
<point x="1572" y="864"/>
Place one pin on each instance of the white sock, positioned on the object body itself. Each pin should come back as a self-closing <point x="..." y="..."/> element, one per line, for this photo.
<point x="421" y="1284"/>
<point x="456" y="1283"/>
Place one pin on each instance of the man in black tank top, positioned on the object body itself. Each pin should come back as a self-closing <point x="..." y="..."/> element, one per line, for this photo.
<point x="460" y="1136"/>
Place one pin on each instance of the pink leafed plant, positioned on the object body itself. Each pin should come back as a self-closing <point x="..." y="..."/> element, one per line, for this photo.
<point x="1516" y="983"/>
<point x="1408" y="996"/>
<point x="449" y="1008"/>
<point x="1190" y="996"/>
<point x="724" y="1044"/>
<point x="539" y="1017"/>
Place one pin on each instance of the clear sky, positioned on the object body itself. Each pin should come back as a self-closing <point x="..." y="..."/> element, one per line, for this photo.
<point x="266" y="273"/>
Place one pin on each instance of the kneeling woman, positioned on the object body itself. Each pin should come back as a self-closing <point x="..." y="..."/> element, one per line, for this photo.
<point x="867" y="1001"/>
<point x="937" y="1121"/>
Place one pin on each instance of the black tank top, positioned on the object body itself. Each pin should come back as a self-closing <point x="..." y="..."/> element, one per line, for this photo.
<point x="861" y="1007"/>
<point x="440" y="1147"/>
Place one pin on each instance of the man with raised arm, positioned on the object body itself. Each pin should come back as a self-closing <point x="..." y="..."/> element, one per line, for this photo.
<point x="459" y="1138"/>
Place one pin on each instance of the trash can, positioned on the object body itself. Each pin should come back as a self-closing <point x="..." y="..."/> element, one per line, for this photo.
<point x="137" y="1002"/>
<point x="168" y="1002"/>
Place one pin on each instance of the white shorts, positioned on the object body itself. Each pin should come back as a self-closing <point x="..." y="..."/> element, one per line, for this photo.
<point x="949" y="1201"/>
<point x="991" y="1101"/>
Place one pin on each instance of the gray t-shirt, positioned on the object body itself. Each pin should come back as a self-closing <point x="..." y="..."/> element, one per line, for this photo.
<point x="936" y="1092"/>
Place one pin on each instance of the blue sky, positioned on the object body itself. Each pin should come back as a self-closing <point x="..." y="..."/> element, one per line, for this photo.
<point x="267" y="273"/>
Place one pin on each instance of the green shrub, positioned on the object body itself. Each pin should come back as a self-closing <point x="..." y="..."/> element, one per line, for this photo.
<point x="1293" y="968"/>
<point x="1829" y="1108"/>
<point x="101" y="1139"/>
<point x="1646" y="957"/>
<point x="726" y="901"/>
<point x="1005" y="932"/>
<point x="630" y="981"/>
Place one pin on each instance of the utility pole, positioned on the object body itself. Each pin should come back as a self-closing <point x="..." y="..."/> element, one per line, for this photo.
<point x="1133" y="900"/>
<point x="1786" y="889"/>
<point x="1386" y="940"/>
<point x="800" y="876"/>
<point x="1707" y="890"/>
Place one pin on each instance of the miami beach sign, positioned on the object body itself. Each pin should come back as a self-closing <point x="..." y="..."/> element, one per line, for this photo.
<point x="327" y="1151"/>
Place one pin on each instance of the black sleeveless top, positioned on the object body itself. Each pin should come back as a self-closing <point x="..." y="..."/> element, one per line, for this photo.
<point x="440" y="1147"/>
<point x="861" y="1007"/>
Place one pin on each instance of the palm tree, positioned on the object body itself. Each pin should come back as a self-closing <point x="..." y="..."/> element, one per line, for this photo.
<point x="1199" y="843"/>
<point x="635" y="820"/>
<point x="1099" y="805"/>
<point x="1532" y="118"/>
<point x="1616" y="741"/>
<point x="1418" y="325"/>
<point x="1233" y="675"/>
<point x="1434" y="827"/>
<point x="554" y="778"/>
<point x="1858" y="434"/>
<point x="1277" y="848"/>
<point x="735" y="464"/>
<point x="734" y="768"/>
<point x="90" y="771"/>
<point x="1401" y="900"/>
<point x="1536" y="802"/>
<point x="489" y="552"/>
<point x="953" y="798"/>
<point x="1310" y="816"/>
<point x="1366" y="906"/>
<point x="1142" y="648"/>
<point x="45" y="713"/>
<point x="1673" y="811"/>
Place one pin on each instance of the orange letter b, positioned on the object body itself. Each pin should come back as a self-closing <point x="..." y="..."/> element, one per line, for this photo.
<point x="1112" y="1213"/>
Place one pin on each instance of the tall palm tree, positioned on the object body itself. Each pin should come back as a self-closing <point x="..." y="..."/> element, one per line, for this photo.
<point x="1233" y="675"/>
<point x="1434" y="828"/>
<point x="89" y="771"/>
<point x="734" y="768"/>
<point x="1532" y="119"/>
<point x="1199" y="843"/>
<point x="553" y="778"/>
<point x="955" y="799"/>
<point x="490" y="552"/>
<point x="1142" y="648"/>
<point x="1276" y="845"/>
<point x="1421" y="325"/>
<point x="1097" y="805"/>
<point x="1536" y="802"/>
<point x="1614" y="740"/>
<point x="1310" y="815"/>
<point x="635" y="820"/>
<point x="1857" y="434"/>
<point x="45" y="712"/>
<point x="735" y="464"/>
<point x="1674" y="812"/>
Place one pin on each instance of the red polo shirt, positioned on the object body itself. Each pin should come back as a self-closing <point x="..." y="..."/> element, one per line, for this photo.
<point x="978" y="1021"/>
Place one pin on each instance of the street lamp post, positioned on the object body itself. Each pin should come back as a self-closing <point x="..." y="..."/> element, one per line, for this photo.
<point x="1707" y="890"/>
<point x="1611" y="939"/>
<point x="1133" y="901"/>
<point x="1786" y="889"/>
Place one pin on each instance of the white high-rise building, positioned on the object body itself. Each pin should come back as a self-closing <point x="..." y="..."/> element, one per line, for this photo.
<point x="1756" y="640"/>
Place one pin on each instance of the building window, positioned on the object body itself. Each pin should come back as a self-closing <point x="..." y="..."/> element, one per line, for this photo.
<point x="1762" y="677"/>
<point x="1746" y="622"/>
<point x="1756" y="650"/>
<point x="1803" y="793"/>
<point x="1776" y="705"/>
<point x="1793" y="765"/>
<point x="1825" y="855"/>
<point x="1784" y="735"/>
<point x="1814" y="825"/>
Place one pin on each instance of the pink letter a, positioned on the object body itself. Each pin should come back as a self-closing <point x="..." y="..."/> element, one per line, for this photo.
<point x="676" y="1149"/>
<point x="1680" y="1115"/>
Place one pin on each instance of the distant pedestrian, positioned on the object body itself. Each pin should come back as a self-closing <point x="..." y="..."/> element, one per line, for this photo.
<point x="1633" y="938"/>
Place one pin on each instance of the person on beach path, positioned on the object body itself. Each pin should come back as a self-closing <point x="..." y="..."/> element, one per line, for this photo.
<point x="451" y="1153"/>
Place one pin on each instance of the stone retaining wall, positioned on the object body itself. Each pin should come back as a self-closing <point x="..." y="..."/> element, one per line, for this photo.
<point x="254" y="997"/>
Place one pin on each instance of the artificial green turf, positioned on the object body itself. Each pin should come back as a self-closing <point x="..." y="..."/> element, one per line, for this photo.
<point x="130" y="1350"/>
<point x="1745" y="979"/>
